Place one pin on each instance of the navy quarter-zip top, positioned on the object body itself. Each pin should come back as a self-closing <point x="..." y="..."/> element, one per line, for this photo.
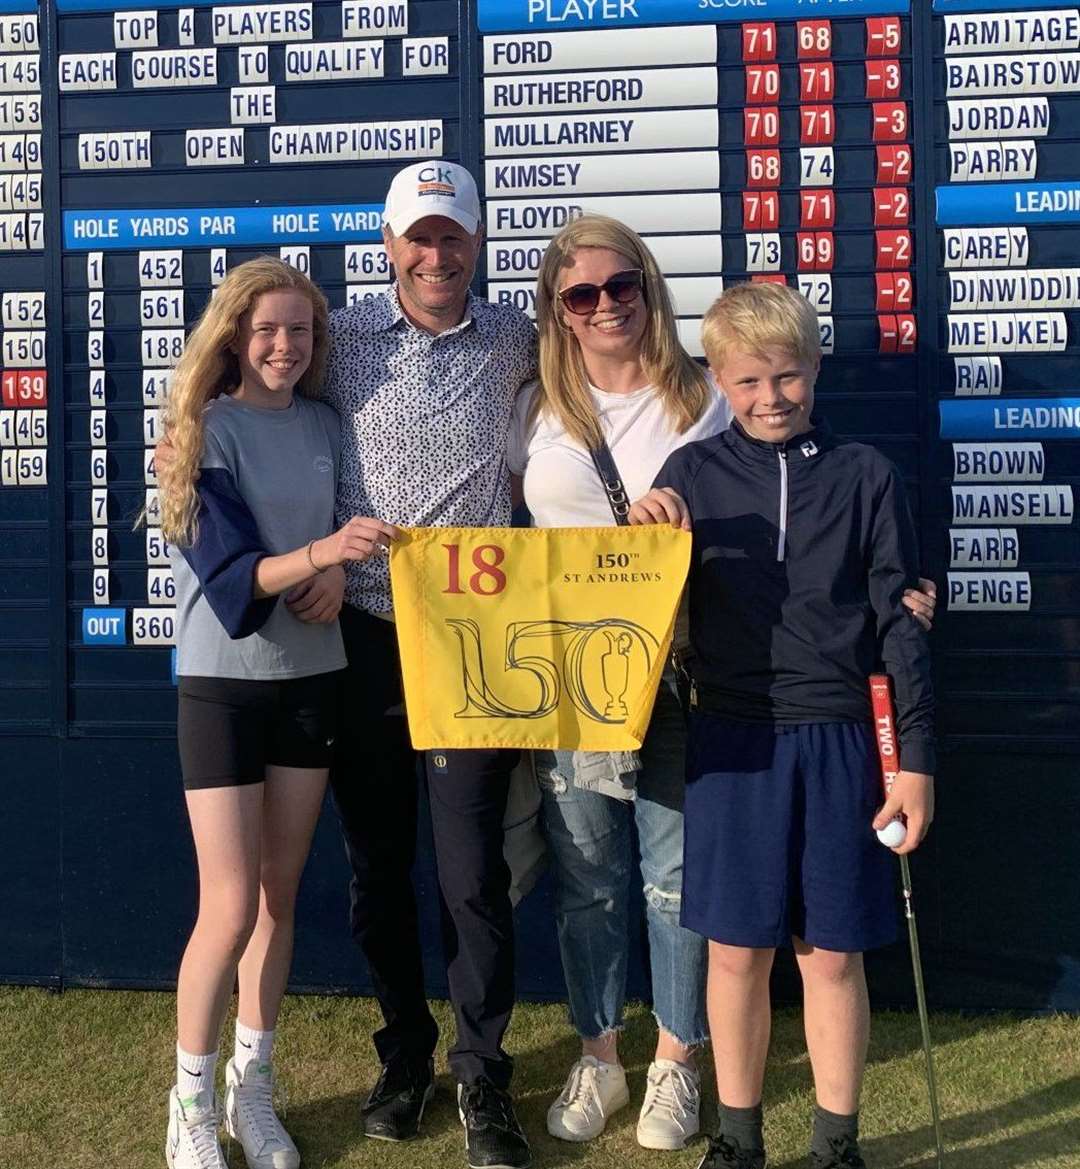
<point x="802" y="551"/>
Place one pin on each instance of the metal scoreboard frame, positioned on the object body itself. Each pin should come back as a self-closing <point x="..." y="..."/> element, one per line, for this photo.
<point x="909" y="166"/>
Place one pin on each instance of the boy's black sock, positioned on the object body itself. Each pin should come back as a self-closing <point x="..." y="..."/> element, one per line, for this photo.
<point x="830" y="1126"/>
<point x="742" y="1125"/>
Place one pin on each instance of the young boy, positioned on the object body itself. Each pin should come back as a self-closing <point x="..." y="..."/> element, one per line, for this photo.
<point x="803" y="546"/>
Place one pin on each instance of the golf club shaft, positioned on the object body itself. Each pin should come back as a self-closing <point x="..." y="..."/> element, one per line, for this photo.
<point x="888" y="754"/>
<point x="920" y="1000"/>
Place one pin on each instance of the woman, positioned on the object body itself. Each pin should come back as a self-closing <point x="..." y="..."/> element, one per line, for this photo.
<point x="612" y="368"/>
<point x="247" y="507"/>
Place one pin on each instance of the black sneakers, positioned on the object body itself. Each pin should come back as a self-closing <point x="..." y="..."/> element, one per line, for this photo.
<point x="726" y="1153"/>
<point x="493" y="1137"/>
<point x="395" y="1107"/>
<point x="843" y="1154"/>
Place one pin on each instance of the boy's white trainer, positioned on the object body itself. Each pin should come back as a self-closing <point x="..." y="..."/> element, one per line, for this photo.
<point x="670" y="1115"/>
<point x="192" y="1139"/>
<point x="593" y="1091"/>
<point x="250" y="1118"/>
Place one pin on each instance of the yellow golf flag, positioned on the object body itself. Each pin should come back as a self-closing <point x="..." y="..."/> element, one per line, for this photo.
<point x="535" y="637"/>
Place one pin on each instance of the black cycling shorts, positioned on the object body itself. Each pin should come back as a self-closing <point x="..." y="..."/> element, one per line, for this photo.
<point x="231" y="729"/>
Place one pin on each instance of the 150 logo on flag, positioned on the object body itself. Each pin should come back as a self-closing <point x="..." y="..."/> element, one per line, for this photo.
<point x="535" y="637"/>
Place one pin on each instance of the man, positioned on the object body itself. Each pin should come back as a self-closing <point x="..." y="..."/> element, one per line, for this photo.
<point x="424" y="376"/>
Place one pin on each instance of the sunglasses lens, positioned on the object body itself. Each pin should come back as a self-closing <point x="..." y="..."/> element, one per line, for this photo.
<point x="624" y="289"/>
<point x="581" y="299"/>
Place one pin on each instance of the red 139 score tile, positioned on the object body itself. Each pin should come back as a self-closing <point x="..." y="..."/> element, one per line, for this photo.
<point x="24" y="387"/>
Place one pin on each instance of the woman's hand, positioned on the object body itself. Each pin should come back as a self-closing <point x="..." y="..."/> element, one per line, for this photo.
<point x="319" y="599"/>
<point x="922" y="604"/>
<point x="358" y="539"/>
<point x="661" y="505"/>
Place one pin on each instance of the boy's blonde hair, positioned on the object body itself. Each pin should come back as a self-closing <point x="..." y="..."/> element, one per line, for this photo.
<point x="758" y="317"/>
<point x="209" y="367"/>
<point x="564" y="385"/>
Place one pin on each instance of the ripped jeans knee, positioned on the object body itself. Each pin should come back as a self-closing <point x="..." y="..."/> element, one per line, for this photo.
<point x="664" y="900"/>
<point x="551" y="780"/>
<point x="678" y="959"/>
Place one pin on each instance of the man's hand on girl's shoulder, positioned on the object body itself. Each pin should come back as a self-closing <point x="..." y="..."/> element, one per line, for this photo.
<point x="165" y="456"/>
<point x="922" y="602"/>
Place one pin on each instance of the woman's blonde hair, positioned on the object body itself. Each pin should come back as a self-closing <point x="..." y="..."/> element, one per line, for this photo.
<point x="209" y="368"/>
<point x="757" y="317"/>
<point x="564" y="384"/>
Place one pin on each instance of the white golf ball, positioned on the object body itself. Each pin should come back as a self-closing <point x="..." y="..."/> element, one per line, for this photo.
<point x="893" y="834"/>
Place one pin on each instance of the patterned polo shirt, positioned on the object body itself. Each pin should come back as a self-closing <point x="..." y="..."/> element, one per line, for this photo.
<point x="424" y="421"/>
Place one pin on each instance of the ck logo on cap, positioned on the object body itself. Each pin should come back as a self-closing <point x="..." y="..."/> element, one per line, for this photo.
<point x="436" y="174"/>
<point x="436" y="180"/>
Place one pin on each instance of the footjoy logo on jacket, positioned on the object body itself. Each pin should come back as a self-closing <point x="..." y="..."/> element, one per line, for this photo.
<point x="323" y="464"/>
<point x="809" y="449"/>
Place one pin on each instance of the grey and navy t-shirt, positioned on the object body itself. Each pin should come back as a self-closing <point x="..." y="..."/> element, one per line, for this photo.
<point x="266" y="486"/>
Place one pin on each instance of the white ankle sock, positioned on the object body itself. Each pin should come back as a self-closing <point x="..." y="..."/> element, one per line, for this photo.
<point x="251" y="1045"/>
<point x="194" y="1073"/>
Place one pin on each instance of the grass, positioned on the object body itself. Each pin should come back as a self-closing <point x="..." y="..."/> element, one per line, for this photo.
<point x="84" y="1078"/>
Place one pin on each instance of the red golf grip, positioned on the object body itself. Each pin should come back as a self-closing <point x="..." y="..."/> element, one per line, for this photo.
<point x="885" y="730"/>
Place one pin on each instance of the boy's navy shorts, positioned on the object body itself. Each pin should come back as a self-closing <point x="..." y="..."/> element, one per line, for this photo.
<point x="778" y="836"/>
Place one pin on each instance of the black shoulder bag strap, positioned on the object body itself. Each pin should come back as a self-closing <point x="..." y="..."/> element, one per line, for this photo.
<point x="604" y="462"/>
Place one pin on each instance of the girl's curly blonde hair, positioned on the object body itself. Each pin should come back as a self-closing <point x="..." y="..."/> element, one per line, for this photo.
<point x="209" y="367"/>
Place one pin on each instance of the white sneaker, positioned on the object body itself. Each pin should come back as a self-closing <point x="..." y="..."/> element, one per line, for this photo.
<point x="593" y="1091"/>
<point x="670" y="1114"/>
<point x="192" y="1138"/>
<point x="250" y="1118"/>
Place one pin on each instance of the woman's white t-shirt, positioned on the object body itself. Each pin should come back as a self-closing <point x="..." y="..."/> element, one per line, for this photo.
<point x="562" y="487"/>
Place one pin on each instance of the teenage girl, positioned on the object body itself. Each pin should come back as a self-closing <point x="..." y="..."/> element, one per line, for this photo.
<point x="248" y="509"/>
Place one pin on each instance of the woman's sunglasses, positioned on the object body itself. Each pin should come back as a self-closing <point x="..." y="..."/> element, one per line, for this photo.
<point x="623" y="288"/>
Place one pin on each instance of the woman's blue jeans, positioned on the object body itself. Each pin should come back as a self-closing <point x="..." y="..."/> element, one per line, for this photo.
<point x="590" y="839"/>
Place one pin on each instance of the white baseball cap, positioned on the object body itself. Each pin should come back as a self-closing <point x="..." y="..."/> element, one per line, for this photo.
<point x="432" y="188"/>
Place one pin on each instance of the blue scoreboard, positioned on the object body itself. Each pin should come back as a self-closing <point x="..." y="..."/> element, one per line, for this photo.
<point x="911" y="168"/>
